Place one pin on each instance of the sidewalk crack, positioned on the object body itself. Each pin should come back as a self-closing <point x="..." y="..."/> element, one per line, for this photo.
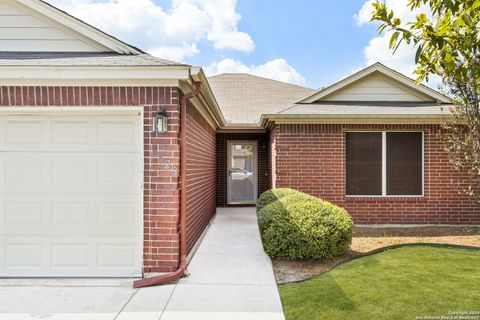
<point x="126" y="303"/>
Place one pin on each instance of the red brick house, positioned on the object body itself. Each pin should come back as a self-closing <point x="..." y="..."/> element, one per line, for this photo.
<point x="113" y="161"/>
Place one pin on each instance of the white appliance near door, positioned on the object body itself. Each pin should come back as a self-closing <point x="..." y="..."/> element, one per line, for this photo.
<point x="242" y="172"/>
<point x="71" y="194"/>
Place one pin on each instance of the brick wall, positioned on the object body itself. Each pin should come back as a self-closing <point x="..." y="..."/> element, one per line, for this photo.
<point x="311" y="158"/>
<point x="162" y="184"/>
<point x="201" y="174"/>
<point x="222" y="163"/>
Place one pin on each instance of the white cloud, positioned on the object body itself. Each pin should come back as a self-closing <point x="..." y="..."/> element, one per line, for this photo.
<point x="365" y="14"/>
<point x="378" y="49"/>
<point x="175" y="33"/>
<point x="277" y="69"/>
<point x="176" y="53"/>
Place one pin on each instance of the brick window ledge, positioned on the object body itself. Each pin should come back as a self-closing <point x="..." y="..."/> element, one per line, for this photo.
<point x="385" y="199"/>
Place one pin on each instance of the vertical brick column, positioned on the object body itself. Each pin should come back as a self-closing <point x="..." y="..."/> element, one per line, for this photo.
<point x="162" y="187"/>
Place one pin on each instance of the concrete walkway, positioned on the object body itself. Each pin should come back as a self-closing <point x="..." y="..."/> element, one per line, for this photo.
<point x="231" y="278"/>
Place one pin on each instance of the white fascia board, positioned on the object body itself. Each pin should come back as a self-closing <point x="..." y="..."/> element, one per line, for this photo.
<point x="94" y="72"/>
<point x="79" y="26"/>
<point x="353" y="119"/>
<point x="206" y="96"/>
<point x="100" y="82"/>
<point x="120" y="110"/>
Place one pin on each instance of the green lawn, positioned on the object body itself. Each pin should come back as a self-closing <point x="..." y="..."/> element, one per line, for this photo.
<point x="397" y="284"/>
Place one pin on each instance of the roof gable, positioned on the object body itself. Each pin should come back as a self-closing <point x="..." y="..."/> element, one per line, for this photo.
<point x="377" y="83"/>
<point x="35" y="26"/>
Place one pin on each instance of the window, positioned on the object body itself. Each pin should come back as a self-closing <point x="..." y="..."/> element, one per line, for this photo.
<point x="364" y="163"/>
<point x="384" y="164"/>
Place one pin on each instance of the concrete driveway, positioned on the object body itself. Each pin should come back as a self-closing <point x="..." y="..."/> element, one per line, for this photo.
<point x="231" y="278"/>
<point x="80" y="299"/>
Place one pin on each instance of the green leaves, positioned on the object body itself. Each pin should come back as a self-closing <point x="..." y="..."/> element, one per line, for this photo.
<point x="393" y="39"/>
<point x="300" y="226"/>
<point x="418" y="53"/>
<point x="448" y="45"/>
<point x="446" y="41"/>
<point x="466" y="19"/>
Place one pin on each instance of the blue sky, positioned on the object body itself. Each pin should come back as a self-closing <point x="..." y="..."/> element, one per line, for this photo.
<point x="321" y="47"/>
<point x="311" y="43"/>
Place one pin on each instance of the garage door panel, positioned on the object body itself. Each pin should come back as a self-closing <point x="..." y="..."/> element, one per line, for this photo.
<point x="22" y="213"/>
<point x="71" y="195"/>
<point x="24" y="255"/>
<point x="70" y="133"/>
<point x="112" y="256"/>
<point x="24" y="131"/>
<point x="78" y="256"/>
<point x="70" y="256"/>
<point x="118" y="132"/>
<point x="71" y="173"/>
<point x="66" y="214"/>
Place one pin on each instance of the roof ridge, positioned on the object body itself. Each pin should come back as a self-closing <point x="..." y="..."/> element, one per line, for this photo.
<point x="260" y="77"/>
<point x="150" y="57"/>
<point x="388" y="72"/>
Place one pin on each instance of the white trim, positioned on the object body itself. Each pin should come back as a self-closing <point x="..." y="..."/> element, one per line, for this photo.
<point x="268" y="119"/>
<point x="423" y="163"/>
<point x="12" y="73"/>
<point x="142" y="184"/>
<point x="384" y="166"/>
<point x="378" y="67"/>
<point x="70" y="109"/>
<point x="118" y="82"/>
<point x="255" y="168"/>
<point x="384" y="163"/>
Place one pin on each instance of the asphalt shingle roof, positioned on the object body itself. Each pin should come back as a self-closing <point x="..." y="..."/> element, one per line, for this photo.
<point x="243" y="98"/>
<point x="79" y="59"/>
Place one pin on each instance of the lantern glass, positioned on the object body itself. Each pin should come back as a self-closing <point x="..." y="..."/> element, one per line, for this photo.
<point x="160" y="122"/>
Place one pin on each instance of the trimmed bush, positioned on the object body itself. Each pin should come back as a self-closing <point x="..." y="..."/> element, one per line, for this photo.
<point x="300" y="226"/>
<point x="273" y="195"/>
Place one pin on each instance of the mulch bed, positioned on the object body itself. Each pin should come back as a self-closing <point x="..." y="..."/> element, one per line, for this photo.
<point x="366" y="239"/>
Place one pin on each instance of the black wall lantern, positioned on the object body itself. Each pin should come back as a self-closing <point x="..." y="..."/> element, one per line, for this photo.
<point x="160" y="122"/>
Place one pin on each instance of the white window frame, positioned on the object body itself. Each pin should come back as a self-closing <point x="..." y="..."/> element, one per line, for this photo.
<point x="384" y="167"/>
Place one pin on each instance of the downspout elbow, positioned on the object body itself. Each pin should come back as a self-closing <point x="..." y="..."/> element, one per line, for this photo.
<point x="170" y="277"/>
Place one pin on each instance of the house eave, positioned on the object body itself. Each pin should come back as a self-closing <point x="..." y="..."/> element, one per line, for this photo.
<point x="205" y="101"/>
<point x="268" y="120"/>
<point x="242" y="128"/>
<point x="94" y="72"/>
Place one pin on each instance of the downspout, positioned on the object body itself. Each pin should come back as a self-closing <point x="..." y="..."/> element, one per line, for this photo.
<point x="183" y="200"/>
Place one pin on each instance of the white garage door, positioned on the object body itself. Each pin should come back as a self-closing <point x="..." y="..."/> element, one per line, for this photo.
<point x="70" y="195"/>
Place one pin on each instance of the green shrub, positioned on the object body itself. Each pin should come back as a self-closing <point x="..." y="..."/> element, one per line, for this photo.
<point x="272" y="195"/>
<point x="300" y="226"/>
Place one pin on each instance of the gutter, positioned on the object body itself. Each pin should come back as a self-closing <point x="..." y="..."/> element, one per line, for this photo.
<point x="170" y="277"/>
<point x="268" y="119"/>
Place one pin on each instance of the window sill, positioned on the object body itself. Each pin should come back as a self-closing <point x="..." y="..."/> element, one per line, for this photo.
<point x="385" y="198"/>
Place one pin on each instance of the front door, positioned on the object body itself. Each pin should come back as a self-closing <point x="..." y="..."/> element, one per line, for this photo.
<point x="242" y="172"/>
